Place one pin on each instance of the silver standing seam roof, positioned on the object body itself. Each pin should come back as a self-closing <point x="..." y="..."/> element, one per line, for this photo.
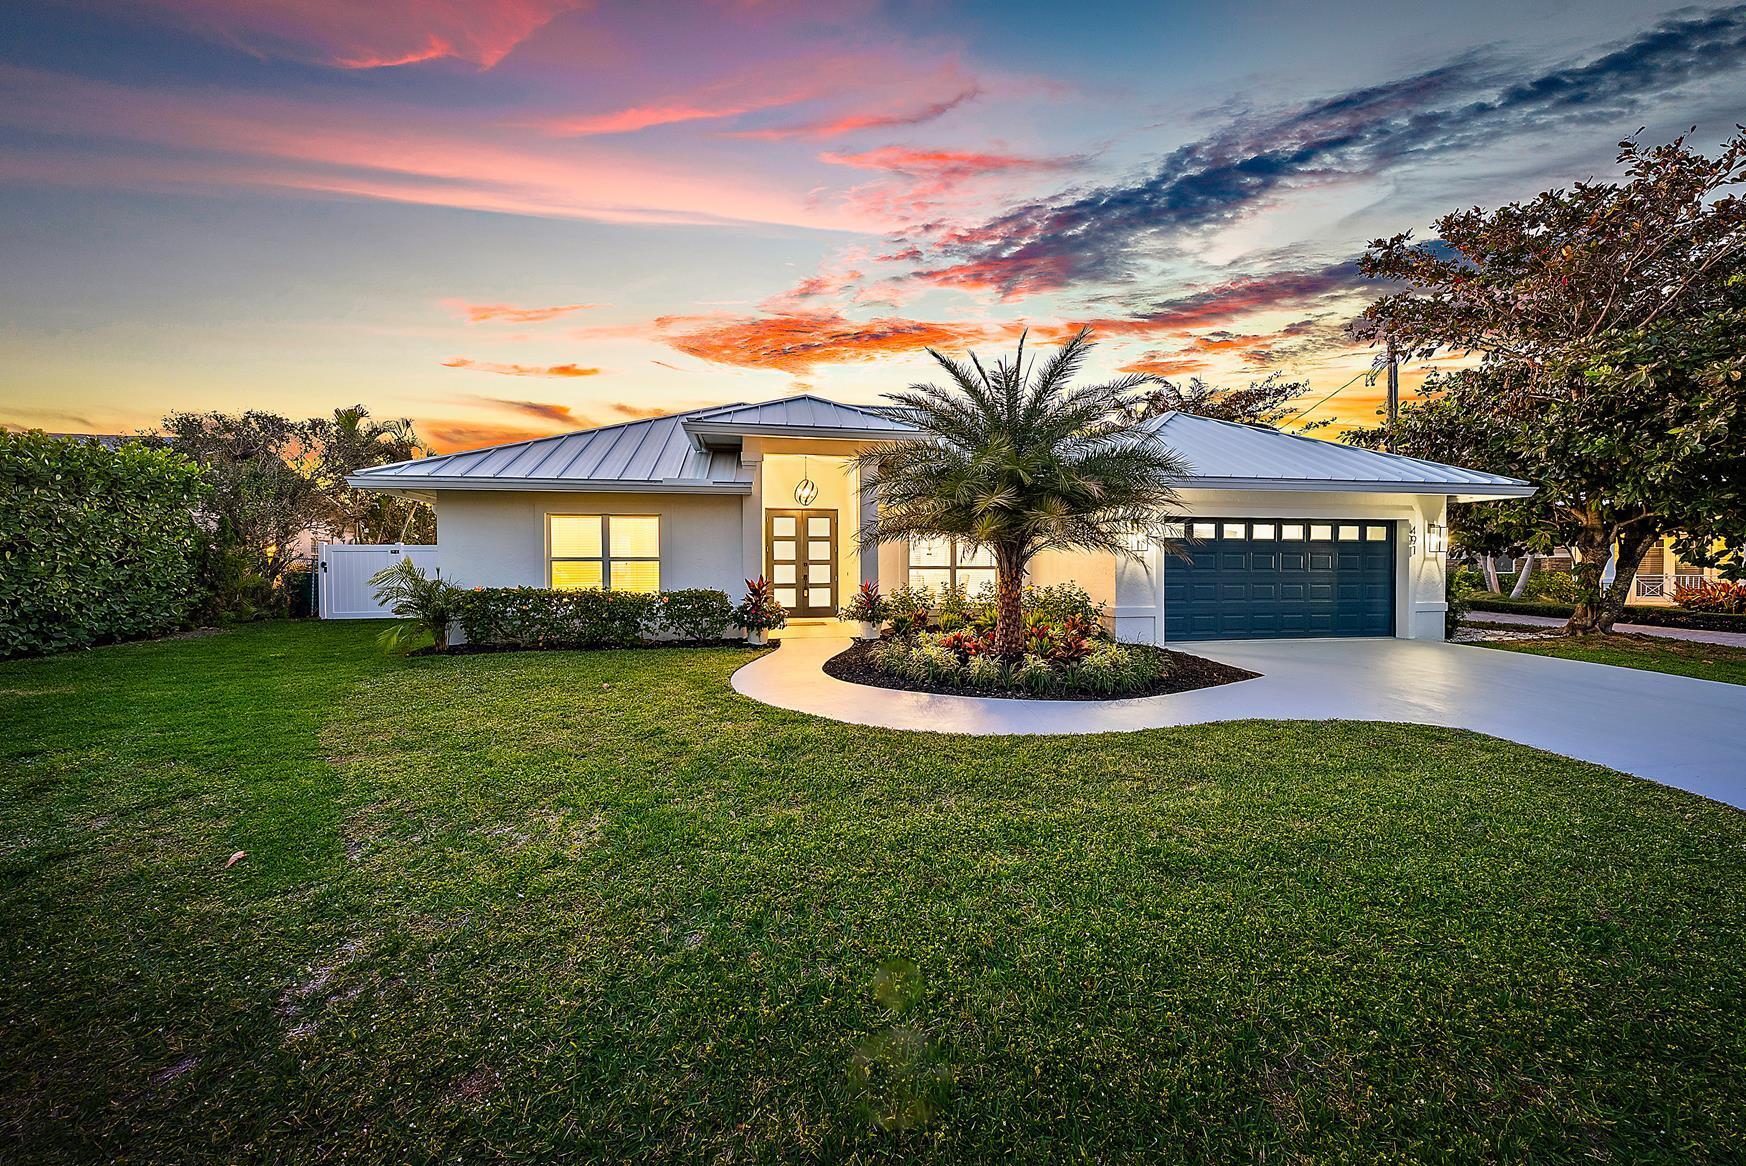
<point x="694" y="452"/>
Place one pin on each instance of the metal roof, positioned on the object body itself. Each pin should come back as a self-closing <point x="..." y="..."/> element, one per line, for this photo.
<point x="692" y="453"/>
<point x="1227" y="455"/>
<point x="651" y="455"/>
<point x="805" y="415"/>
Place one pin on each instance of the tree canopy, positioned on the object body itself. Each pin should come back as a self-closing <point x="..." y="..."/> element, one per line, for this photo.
<point x="1609" y="325"/>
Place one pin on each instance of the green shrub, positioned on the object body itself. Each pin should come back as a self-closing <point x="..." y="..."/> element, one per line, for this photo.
<point x="696" y="613"/>
<point x="1555" y="586"/>
<point x="427" y="606"/>
<point x="1058" y="660"/>
<point x="1666" y="617"/>
<point x="96" y="544"/>
<point x="1060" y="602"/>
<point x="538" y="617"/>
<point x="1458" y="591"/>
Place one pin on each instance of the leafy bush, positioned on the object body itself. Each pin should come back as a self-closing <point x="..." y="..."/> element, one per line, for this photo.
<point x="909" y="609"/>
<point x="696" y="613"/>
<point x="538" y="617"/>
<point x="1666" y="617"/>
<point x="759" y="611"/>
<point x="1718" y="595"/>
<point x="1458" y="591"/>
<point x="427" y="606"/>
<point x="96" y="544"/>
<point x="915" y="609"/>
<point x="1059" y="658"/>
<point x="1555" y="586"/>
<point x="1060" y="602"/>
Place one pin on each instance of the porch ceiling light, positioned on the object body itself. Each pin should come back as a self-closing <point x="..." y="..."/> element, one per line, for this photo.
<point x="806" y="490"/>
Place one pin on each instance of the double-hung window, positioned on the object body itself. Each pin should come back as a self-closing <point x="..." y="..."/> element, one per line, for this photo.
<point x="617" y="551"/>
<point x="937" y="563"/>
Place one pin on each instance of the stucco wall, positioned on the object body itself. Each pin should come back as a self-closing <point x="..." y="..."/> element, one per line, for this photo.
<point x="498" y="539"/>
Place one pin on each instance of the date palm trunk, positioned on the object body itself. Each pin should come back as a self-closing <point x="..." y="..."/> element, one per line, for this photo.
<point x="1009" y="616"/>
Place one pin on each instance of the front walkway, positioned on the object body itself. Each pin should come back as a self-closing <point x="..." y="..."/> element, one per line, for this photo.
<point x="1673" y="729"/>
<point x="1697" y="635"/>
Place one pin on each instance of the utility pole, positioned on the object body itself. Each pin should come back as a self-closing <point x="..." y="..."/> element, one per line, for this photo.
<point x="1393" y="387"/>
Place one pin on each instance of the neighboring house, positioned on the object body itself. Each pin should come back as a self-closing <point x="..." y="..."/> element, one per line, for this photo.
<point x="1662" y="571"/>
<point x="1286" y="535"/>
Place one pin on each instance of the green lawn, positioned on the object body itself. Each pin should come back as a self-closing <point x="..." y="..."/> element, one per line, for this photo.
<point x="1651" y="653"/>
<point x="596" y="905"/>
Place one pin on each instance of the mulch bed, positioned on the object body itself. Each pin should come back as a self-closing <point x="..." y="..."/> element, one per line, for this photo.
<point x="1185" y="674"/>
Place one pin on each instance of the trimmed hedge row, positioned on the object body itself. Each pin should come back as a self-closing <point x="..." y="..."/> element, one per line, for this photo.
<point x="1664" y="617"/>
<point x="96" y="544"/>
<point x="539" y="617"/>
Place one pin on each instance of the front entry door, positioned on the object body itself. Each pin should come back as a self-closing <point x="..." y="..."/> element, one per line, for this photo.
<point x="800" y="559"/>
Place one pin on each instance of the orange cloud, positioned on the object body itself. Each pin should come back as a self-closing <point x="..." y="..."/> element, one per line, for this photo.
<point x="833" y="127"/>
<point x="798" y="342"/>
<point x="954" y="163"/>
<point x="1159" y="364"/>
<point x="369" y="34"/>
<point x="480" y="313"/>
<point x="521" y="370"/>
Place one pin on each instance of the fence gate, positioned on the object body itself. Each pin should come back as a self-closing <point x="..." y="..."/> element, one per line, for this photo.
<point x="345" y="591"/>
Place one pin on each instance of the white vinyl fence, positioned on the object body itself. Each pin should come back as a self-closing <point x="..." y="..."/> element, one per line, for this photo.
<point x="345" y="570"/>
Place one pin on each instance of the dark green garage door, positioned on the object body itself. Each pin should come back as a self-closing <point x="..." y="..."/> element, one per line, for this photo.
<point x="1265" y="579"/>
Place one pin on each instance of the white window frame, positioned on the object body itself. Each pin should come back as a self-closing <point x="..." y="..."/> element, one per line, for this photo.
<point x="955" y="548"/>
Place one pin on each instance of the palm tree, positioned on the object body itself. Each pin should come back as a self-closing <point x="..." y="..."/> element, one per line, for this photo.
<point x="1015" y="461"/>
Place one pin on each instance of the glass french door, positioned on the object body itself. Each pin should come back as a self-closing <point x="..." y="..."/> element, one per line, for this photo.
<point x="800" y="559"/>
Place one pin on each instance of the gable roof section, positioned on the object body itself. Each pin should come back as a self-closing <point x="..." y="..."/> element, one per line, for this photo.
<point x="805" y="415"/>
<point x="651" y="455"/>
<point x="1226" y="455"/>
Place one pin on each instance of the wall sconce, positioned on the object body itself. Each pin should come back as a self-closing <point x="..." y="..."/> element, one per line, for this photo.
<point x="1436" y="539"/>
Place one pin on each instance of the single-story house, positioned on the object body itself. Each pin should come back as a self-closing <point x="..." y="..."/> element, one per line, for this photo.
<point x="1287" y="535"/>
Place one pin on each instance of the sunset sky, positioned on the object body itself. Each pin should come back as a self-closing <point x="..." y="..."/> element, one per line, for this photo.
<point x="514" y="217"/>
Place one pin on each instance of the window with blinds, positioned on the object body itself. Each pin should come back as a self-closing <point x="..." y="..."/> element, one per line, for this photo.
<point x="621" y="552"/>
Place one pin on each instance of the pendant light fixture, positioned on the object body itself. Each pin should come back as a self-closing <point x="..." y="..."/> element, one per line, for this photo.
<point x="806" y="490"/>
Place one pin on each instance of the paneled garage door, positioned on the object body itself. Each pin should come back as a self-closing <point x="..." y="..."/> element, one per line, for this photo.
<point x="1272" y="578"/>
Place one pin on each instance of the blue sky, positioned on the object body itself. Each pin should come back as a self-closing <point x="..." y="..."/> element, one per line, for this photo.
<point x="522" y="216"/>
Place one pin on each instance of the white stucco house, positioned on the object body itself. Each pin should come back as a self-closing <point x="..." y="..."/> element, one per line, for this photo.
<point x="1288" y="535"/>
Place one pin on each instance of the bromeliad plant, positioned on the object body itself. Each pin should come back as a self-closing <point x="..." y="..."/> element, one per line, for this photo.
<point x="867" y="606"/>
<point x="759" y="612"/>
<point x="1018" y="461"/>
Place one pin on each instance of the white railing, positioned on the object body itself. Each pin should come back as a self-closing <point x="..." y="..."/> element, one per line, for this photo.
<point x="1662" y="586"/>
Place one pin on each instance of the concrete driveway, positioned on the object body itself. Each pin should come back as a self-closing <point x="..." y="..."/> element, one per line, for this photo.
<point x="1686" y="733"/>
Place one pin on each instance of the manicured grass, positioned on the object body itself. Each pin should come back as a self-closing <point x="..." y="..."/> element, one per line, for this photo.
<point x="598" y="906"/>
<point x="1651" y="653"/>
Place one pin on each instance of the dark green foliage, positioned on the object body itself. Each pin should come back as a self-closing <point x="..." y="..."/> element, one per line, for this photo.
<point x="538" y="617"/>
<point x="1458" y="592"/>
<point x="596" y="907"/>
<point x="427" y="606"/>
<point x="1661" y="617"/>
<point x="95" y="544"/>
<point x="697" y="613"/>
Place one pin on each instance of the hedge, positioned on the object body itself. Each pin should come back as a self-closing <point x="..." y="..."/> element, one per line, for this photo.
<point x="1665" y="617"/>
<point x="96" y="544"/>
<point x="539" y="617"/>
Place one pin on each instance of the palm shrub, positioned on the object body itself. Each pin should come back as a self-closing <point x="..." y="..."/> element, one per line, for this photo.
<point x="1017" y="460"/>
<point x="427" y="606"/>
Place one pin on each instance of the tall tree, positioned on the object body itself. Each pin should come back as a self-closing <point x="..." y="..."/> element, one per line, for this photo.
<point x="352" y="440"/>
<point x="260" y="501"/>
<point x="1609" y="322"/>
<point x="1017" y="460"/>
<point x="1263" y="402"/>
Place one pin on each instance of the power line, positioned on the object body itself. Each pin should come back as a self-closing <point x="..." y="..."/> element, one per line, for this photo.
<point x="1312" y="408"/>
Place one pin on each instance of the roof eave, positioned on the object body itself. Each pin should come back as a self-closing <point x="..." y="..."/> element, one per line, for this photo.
<point x="1476" y="490"/>
<point x="549" y="485"/>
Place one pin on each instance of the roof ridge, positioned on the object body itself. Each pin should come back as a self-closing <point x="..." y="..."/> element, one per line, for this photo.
<point x="442" y="457"/>
<point x="1382" y="453"/>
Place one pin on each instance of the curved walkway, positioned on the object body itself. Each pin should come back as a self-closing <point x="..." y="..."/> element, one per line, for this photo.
<point x="1686" y="733"/>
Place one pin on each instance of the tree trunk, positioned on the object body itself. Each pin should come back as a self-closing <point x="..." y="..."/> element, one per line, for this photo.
<point x="1491" y="583"/>
<point x="1598" y="605"/>
<point x="1009" y="616"/>
<point x="1522" y="574"/>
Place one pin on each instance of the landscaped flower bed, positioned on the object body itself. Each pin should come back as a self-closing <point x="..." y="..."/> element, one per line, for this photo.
<point x="946" y="644"/>
<point x="923" y="663"/>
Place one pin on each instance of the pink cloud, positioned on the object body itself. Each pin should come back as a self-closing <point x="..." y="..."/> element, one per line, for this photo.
<point x="838" y="125"/>
<point x="370" y="34"/>
<point x="509" y="313"/>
